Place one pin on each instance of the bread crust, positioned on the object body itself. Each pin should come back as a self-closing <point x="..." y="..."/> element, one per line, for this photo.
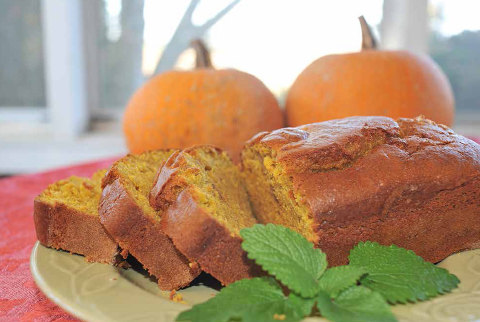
<point x="61" y="227"/>
<point x="203" y="239"/>
<point x="142" y="237"/>
<point x="419" y="226"/>
<point x="408" y="182"/>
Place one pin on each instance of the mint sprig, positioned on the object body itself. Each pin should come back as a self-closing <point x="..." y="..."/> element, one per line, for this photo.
<point x="286" y="255"/>
<point x="386" y="273"/>
<point x="400" y="275"/>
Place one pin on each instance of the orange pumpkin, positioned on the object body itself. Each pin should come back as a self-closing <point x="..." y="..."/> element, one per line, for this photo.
<point x="178" y="109"/>
<point x="370" y="82"/>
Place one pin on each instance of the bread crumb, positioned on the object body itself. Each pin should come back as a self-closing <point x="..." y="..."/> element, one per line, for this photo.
<point x="175" y="297"/>
<point x="124" y="253"/>
<point x="279" y="317"/>
<point x="193" y="265"/>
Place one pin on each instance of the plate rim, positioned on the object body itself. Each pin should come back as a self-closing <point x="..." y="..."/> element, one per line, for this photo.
<point x="71" y="306"/>
<point x="50" y="292"/>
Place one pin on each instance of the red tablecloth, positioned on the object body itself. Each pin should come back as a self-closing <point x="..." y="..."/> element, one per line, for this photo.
<point x="20" y="299"/>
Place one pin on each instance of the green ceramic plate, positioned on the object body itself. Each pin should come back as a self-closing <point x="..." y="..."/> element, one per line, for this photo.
<point x="99" y="292"/>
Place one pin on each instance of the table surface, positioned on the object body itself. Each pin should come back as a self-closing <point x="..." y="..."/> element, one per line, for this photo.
<point x="20" y="299"/>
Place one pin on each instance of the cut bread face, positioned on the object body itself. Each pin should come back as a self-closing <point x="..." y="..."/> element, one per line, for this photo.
<point x="128" y="217"/>
<point x="82" y="194"/>
<point x="213" y="180"/>
<point x="206" y="204"/>
<point x="66" y="217"/>
<point x="271" y="191"/>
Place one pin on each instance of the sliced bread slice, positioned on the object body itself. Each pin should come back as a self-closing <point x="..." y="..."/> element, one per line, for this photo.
<point x="128" y="217"/>
<point x="66" y="217"/>
<point x="205" y="205"/>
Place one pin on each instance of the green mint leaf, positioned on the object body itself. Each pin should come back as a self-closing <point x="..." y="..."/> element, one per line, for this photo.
<point x="336" y="279"/>
<point x="301" y="307"/>
<point x="355" y="304"/>
<point x="400" y="275"/>
<point x="249" y="300"/>
<point x="286" y="255"/>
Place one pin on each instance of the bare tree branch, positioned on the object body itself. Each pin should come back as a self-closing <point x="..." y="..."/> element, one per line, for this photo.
<point x="209" y="23"/>
<point x="187" y="16"/>
<point x="186" y="31"/>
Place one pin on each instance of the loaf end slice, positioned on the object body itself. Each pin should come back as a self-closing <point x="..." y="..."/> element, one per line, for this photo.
<point x="66" y="217"/>
<point x="408" y="182"/>
<point x="126" y="214"/>
<point x="206" y="205"/>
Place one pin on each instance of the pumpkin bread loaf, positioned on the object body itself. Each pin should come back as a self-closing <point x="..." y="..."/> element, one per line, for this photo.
<point x="66" y="217"/>
<point x="408" y="182"/>
<point x="126" y="214"/>
<point x="205" y="204"/>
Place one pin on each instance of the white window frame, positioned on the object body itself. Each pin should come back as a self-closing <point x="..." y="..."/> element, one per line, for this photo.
<point x="27" y="114"/>
<point x="66" y="111"/>
<point x="62" y="132"/>
<point x="405" y="25"/>
<point x="71" y="60"/>
<point x="65" y="66"/>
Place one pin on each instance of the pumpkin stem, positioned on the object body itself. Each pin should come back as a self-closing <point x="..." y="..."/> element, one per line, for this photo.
<point x="203" y="55"/>
<point x="368" y="40"/>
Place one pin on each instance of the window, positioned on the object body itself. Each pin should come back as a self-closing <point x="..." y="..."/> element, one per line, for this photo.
<point x="455" y="45"/>
<point x="121" y="41"/>
<point x="253" y="37"/>
<point x="22" y="86"/>
<point x="21" y="54"/>
<point x="68" y="68"/>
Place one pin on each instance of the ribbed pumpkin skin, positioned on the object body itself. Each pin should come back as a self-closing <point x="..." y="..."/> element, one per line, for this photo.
<point x="372" y="82"/>
<point x="178" y="109"/>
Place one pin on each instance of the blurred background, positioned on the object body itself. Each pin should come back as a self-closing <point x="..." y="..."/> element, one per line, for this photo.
<point x="68" y="68"/>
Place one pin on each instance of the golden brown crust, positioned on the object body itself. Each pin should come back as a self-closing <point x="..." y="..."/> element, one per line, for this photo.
<point x="159" y="197"/>
<point x="203" y="239"/>
<point x="377" y="179"/>
<point x="61" y="227"/>
<point x="327" y="145"/>
<point x="142" y="237"/>
<point x="167" y="184"/>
